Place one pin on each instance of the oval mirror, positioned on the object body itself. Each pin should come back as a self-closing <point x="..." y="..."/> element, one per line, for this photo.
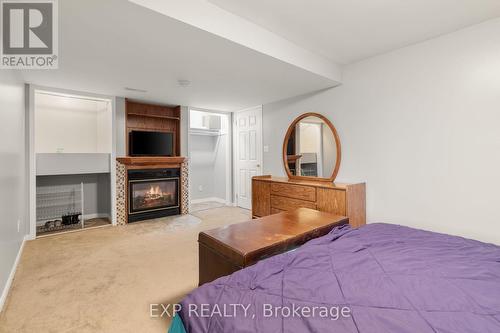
<point x="311" y="149"/>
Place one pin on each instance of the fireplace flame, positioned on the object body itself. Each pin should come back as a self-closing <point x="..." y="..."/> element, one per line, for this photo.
<point x="155" y="191"/>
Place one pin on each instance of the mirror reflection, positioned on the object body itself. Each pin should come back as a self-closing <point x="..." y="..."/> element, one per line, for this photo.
<point x="311" y="149"/>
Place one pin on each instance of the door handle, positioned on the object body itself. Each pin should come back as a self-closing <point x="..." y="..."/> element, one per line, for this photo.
<point x="258" y="165"/>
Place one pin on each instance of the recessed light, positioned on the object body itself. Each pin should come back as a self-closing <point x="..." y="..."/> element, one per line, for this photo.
<point x="183" y="83"/>
<point x="136" y="90"/>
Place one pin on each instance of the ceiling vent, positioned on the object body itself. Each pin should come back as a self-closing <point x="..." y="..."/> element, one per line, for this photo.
<point x="136" y="90"/>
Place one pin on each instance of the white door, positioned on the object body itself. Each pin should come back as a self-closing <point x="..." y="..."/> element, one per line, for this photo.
<point x="248" y="152"/>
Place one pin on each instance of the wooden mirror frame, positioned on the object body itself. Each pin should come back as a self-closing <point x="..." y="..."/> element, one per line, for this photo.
<point x="337" y="143"/>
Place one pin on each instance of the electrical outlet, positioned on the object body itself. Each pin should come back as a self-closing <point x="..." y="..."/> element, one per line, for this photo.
<point x="18" y="225"/>
<point x="200" y="188"/>
<point x="266" y="149"/>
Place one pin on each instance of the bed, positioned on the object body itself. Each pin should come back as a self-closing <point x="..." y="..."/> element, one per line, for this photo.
<point x="387" y="278"/>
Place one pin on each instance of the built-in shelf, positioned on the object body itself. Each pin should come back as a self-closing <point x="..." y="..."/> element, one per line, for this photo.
<point x="204" y="132"/>
<point x="52" y="164"/>
<point x="151" y="128"/>
<point x="153" y="116"/>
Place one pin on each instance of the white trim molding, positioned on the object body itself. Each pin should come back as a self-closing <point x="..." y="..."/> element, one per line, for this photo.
<point x="97" y="216"/>
<point x="213" y="199"/>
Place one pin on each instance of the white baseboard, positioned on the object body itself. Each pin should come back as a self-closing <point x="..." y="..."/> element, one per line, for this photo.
<point x="96" y="216"/>
<point x="8" y="284"/>
<point x="213" y="199"/>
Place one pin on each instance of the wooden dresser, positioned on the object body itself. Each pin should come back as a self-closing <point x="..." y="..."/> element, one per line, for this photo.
<point x="272" y="195"/>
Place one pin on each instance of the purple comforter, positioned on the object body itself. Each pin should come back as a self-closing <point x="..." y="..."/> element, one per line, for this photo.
<point x="387" y="278"/>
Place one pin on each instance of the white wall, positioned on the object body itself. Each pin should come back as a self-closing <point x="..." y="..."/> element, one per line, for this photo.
<point x="421" y="126"/>
<point x="184" y="131"/>
<point x="104" y="121"/>
<point x="220" y="168"/>
<point x="13" y="206"/>
<point x="208" y="166"/>
<point x="120" y="127"/>
<point x="202" y="152"/>
<point x="71" y="125"/>
<point x="56" y="131"/>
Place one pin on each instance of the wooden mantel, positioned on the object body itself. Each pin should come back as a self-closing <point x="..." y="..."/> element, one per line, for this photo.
<point x="151" y="161"/>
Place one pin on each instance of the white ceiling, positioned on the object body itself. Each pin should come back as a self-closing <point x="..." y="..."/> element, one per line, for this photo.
<point x="346" y="31"/>
<point x="106" y="46"/>
<point x="211" y="18"/>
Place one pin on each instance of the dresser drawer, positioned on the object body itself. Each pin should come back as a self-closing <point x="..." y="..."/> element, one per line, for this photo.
<point x="332" y="201"/>
<point x="286" y="204"/>
<point x="276" y="211"/>
<point x="307" y="193"/>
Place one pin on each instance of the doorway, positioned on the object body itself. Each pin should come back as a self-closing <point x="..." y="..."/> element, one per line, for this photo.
<point x="248" y="153"/>
<point x="209" y="146"/>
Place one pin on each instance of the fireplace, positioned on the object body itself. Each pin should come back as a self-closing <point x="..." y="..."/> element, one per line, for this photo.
<point x="153" y="193"/>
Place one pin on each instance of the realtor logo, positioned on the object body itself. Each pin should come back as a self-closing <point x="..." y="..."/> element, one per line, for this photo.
<point x="29" y="34"/>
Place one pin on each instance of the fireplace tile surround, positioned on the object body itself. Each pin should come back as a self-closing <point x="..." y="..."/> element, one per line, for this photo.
<point x="125" y="164"/>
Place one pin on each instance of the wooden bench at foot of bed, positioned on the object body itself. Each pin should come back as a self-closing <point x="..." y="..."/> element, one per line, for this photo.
<point x="225" y="250"/>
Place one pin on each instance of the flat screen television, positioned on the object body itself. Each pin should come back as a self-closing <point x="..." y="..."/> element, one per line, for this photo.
<point x="143" y="143"/>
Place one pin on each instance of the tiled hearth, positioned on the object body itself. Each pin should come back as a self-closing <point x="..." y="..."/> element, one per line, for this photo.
<point x="123" y="166"/>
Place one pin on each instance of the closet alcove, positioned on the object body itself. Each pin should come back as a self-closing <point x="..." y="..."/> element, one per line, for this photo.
<point x="73" y="146"/>
<point x="209" y="148"/>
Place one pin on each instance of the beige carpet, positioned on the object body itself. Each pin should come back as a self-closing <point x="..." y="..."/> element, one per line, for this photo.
<point x="205" y="205"/>
<point x="104" y="280"/>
